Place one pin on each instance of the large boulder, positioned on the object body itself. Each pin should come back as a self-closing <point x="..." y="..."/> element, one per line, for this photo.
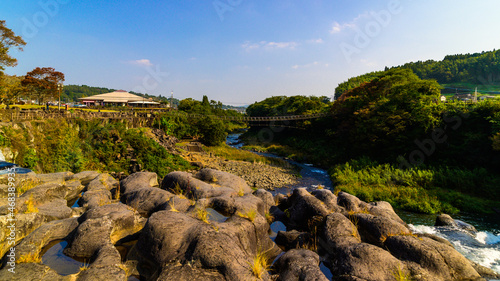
<point x="227" y="248"/>
<point x="184" y="183"/>
<point x="305" y="207"/>
<point x="299" y="264"/>
<point x="224" y="179"/>
<point x="32" y="272"/>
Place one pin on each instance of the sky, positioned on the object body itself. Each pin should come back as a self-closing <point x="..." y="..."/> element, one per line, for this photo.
<point x="240" y="51"/>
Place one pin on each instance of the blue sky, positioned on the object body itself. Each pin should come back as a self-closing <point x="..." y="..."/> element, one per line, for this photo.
<point x="241" y="51"/>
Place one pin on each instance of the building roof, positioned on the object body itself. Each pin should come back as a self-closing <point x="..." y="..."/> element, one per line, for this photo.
<point x="144" y="102"/>
<point x="119" y="96"/>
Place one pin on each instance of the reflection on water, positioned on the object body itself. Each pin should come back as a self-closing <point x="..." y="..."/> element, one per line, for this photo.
<point x="55" y="259"/>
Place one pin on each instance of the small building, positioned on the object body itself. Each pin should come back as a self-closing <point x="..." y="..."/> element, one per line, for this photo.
<point x="117" y="98"/>
<point x="443" y="99"/>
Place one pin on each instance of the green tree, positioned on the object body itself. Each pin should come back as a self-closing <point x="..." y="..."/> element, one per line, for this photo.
<point x="8" y="40"/>
<point x="382" y="118"/>
<point x="11" y="89"/>
<point x="212" y="130"/>
<point x="42" y="82"/>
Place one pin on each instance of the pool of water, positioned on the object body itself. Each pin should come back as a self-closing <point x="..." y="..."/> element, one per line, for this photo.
<point x="54" y="257"/>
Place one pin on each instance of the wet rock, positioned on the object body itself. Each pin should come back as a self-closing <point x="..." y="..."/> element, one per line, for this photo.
<point x="445" y="220"/>
<point x="301" y="264"/>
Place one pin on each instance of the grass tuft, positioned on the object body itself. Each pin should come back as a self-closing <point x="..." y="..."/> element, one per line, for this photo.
<point x="400" y="275"/>
<point x="249" y="214"/>
<point x="29" y="258"/>
<point x="203" y="215"/>
<point x="260" y="264"/>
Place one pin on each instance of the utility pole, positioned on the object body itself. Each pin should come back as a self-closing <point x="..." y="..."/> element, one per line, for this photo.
<point x="475" y="96"/>
<point x="59" y="89"/>
<point x="171" y="99"/>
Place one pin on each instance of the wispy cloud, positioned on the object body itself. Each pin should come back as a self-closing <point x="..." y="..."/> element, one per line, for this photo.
<point x="141" y="62"/>
<point x="337" y="27"/>
<point x="249" y="46"/>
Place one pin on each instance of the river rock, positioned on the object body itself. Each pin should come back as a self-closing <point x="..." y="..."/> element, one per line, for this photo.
<point x="106" y="266"/>
<point x="445" y="220"/>
<point x="137" y="181"/>
<point x="375" y="229"/>
<point x="24" y="225"/>
<point x="440" y="261"/>
<point x="228" y="248"/>
<point x="327" y="197"/>
<point x="125" y="221"/>
<point x="304" y="207"/>
<point x="32" y="272"/>
<point x="147" y="200"/>
<point x="95" y="198"/>
<point x="59" y="178"/>
<point x="90" y="236"/>
<point x="299" y="264"/>
<point x="56" y="209"/>
<point x="292" y="239"/>
<point x="43" y="235"/>
<point x="185" y="183"/>
<point x="84" y="177"/>
<point x="266" y="197"/>
<point x="224" y="179"/>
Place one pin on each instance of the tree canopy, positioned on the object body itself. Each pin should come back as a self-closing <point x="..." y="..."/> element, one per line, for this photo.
<point x="8" y="40"/>
<point x="384" y="116"/>
<point x="42" y="82"/>
<point x="282" y="105"/>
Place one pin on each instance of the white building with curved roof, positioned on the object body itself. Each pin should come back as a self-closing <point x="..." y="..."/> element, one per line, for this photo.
<point x="118" y="98"/>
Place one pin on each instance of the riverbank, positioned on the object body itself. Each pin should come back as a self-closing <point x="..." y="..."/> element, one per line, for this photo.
<point x="139" y="229"/>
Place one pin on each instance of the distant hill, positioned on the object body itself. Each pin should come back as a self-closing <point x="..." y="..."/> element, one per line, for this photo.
<point x="480" y="70"/>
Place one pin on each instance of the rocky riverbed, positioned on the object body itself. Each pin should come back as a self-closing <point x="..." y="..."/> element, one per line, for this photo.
<point x="212" y="225"/>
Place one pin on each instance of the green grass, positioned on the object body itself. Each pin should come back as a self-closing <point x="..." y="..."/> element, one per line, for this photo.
<point x="430" y="190"/>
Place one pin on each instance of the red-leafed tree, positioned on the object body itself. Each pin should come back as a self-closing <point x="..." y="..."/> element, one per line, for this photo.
<point x="42" y="83"/>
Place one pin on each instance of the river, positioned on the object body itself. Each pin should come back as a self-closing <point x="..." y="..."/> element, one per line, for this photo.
<point x="482" y="247"/>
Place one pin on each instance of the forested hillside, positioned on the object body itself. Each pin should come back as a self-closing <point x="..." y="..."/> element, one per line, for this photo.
<point x="480" y="70"/>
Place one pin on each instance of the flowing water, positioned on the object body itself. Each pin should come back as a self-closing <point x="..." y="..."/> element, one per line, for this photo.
<point x="482" y="247"/>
